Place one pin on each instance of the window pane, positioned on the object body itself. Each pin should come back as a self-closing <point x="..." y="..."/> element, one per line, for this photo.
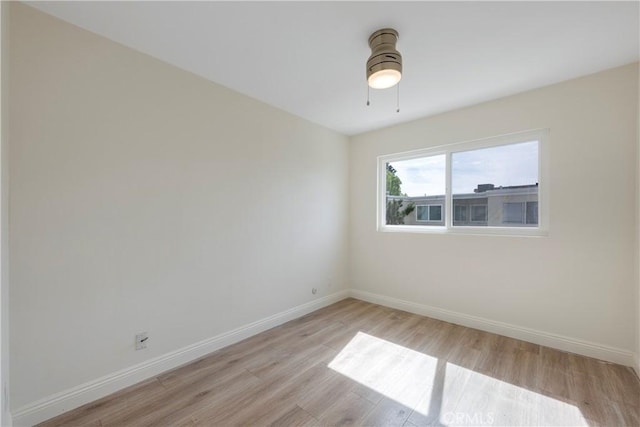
<point x="479" y="213"/>
<point x="422" y="214"/>
<point x="415" y="191"/>
<point x="429" y="213"/>
<point x="532" y="212"/>
<point x="513" y="213"/>
<point x="496" y="182"/>
<point x="435" y="213"/>
<point x="459" y="213"/>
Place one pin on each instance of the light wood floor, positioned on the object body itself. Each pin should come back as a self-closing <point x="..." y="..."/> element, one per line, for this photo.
<point x="356" y="363"/>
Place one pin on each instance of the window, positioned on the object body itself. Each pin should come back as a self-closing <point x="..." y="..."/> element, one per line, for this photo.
<point x="520" y="213"/>
<point x="490" y="186"/>
<point x="459" y="213"/>
<point x="429" y="213"/>
<point x="513" y="213"/>
<point x="407" y="190"/>
<point x="479" y="213"/>
<point x="532" y="212"/>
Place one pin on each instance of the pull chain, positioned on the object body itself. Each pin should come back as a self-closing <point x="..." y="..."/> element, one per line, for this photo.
<point x="397" y="97"/>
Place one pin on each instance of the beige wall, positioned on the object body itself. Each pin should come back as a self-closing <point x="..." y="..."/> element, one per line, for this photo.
<point x="129" y="182"/>
<point x="637" y="364"/>
<point x="5" y="417"/>
<point x="578" y="281"/>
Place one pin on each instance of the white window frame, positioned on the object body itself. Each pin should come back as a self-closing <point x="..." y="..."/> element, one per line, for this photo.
<point x="428" y="206"/>
<point x="542" y="228"/>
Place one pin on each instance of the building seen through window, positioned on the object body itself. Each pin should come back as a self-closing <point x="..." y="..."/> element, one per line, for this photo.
<point x="488" y="205"/>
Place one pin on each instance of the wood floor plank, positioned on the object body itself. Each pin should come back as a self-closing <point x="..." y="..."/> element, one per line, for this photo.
<point x="233" y="409"/>
<point x="324" y="393"/>
<point x="368" y="393"/>
<point x="341" y="338"/>
<point x="297" y="357"/>
<point x="179" y="402"/>
<point x="92" y="413"/>
<point x="356" y="363"/>
<point x="450" y="382"/>
<point x="296" y="417"/>
<point x="186" y="423"/>
<point x="349" y="410"/>
<point x="389" y="413"/>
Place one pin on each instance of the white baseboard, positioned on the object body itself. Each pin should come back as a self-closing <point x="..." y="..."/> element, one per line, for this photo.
<point x="559" y="342"/>
<point x="75" y="397"/>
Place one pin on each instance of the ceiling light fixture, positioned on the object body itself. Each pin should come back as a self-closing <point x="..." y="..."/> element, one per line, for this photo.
<point x="384" y="66"/>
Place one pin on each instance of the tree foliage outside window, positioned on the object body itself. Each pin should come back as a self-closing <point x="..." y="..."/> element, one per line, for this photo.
<point x="393" y="181"/>
<point x="396" y="212"/>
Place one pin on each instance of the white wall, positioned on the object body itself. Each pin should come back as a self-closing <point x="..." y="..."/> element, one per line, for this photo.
<point x="144" y="198"/>
<point x="580" y="281"/>
<point x="637" y="361"/>
<point x="5" y="415"/>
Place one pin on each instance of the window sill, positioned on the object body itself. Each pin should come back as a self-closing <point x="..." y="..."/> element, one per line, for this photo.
<point x="469" y="231"/>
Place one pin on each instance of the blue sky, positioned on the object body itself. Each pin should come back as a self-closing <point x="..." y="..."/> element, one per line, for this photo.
<point x="514" y="164"/>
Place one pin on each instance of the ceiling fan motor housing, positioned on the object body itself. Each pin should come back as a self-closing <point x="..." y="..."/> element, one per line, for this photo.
<point x="384" y="55"/>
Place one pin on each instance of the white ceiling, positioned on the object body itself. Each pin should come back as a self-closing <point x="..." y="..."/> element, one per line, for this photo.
<point x="308" y="58"/>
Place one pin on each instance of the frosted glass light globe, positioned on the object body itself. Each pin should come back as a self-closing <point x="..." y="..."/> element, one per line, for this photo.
<point x="384" y="79"/>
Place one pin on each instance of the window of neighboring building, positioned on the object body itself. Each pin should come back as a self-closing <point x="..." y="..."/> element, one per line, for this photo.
<point x="460" y="213"/>
<point x="513" y="213"/>
<point x="532" y="212"/>
<point x="479" y="213"/>
<point x="496" y="185"/>
<point x="520" y="213"/>
<point x="429" y="213"/>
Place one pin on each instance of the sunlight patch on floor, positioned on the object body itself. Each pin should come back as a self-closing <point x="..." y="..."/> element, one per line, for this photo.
<point x="395" y="371"/>
<point x="444" y="392"/>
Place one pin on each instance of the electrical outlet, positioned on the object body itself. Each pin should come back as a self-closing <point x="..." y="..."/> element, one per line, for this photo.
<point x="141" y="340"/>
